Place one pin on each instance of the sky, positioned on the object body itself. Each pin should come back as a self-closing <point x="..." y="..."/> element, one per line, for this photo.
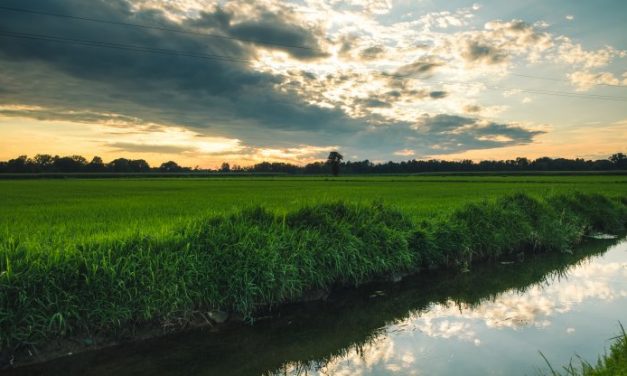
<point x="202" y="82"/>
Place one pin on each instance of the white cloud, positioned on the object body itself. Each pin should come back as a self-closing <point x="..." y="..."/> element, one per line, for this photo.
<point x="585" y="80"/>
<point x="573" y="53"/>
<point x="449" y="58"/>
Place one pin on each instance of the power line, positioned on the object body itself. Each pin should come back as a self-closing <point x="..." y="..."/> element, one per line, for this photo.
<point x="567" y="94"/>
<point x="539" y="78"/>
<point x="531" y="91"/>
<point x="151" y="27"/>
<point x="407" y="76"/>
<point x="560" y="79"/>
<point x="137" y="48"/>
<point x="119" y="46"/>
<point x="181" y="31"/>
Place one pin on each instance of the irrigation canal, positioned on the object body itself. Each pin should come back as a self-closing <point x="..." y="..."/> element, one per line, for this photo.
<point x="491" y="320"/>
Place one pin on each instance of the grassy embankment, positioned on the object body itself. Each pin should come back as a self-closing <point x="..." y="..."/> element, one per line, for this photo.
<point x="350" y="323"/>
<point x="240" y="261"/>
<point x="612" y="364"/>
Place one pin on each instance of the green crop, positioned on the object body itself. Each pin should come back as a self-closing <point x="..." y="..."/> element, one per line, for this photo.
<point x="106" y="257"/>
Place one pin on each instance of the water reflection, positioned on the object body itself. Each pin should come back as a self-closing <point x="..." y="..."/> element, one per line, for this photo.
<point x="492" y="320"/>
<point x="395" y="349"/>
<point x="533" y="307"/>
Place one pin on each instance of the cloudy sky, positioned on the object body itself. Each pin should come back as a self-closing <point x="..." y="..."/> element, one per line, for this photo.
<point x="203" y="82"/>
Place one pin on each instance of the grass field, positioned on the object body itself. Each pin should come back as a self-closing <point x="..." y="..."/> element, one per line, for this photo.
<point x="105" y="257"/>
<point x="73" y="209"/>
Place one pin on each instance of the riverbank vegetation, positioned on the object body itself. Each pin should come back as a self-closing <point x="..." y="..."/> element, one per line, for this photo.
<point x="351" y="320"/>
<point x="256" y="258"/>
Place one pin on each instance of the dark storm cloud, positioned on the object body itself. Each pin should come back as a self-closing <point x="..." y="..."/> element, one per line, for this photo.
<point x="267" y="29"/>
<point x="219" y="97"/>
<point x="124" y="67"/>
<point x="156" y="87"/>
<point x="445" y="123"/>
<point x="288" y="37"/>
<point x="216" y="19"/>
<point x="461" y="132"/>
<point x="519" y="134"/>
<point x="74" y="116"/>
<point x="440" y="134"/>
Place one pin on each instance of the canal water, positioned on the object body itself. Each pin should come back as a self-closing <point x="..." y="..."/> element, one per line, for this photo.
<point x="492" y="320"/>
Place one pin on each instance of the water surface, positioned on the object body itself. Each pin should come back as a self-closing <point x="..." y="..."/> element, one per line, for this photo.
<point x="493" y="320"/>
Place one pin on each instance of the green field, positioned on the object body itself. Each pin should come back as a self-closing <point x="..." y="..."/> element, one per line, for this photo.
<point x="73" y="209"/>
<point x="105" y="258"/>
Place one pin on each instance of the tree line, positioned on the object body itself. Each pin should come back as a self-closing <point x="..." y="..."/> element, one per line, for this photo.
<point x="45" y="163"/>
<point x="77" y="163"/>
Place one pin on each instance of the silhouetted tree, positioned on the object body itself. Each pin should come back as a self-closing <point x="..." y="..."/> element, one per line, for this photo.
<point x="73" y="163"/>
<point x="334" y="159"/>
<point x="522" y="163"/>
<point x="138" y="165"/>
<point x="274" y="167"/>
<point x="170" y="166"/>
<point x="118" y="165"/>
<point x="619" y="160"/>
<point x="44" y="162"/>
<point x="96" y="165"/>
<point x="76" y="163"/>
<point x="19" y="164"/>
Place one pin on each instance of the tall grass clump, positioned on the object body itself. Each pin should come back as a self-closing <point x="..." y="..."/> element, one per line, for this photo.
<point x="593" y="212"/>
<point x="256" y="258"/>
<point x="506" y="226"/>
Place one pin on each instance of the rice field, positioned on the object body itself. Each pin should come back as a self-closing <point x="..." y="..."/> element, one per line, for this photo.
<point x="107" y="257"/>
<point x="71" y="209"/>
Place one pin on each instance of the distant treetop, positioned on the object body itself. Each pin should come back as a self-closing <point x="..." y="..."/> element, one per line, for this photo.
<point x="76" y="163"/>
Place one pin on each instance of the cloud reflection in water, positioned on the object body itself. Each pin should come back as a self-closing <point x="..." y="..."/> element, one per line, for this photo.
<point x="403" y="347"/>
